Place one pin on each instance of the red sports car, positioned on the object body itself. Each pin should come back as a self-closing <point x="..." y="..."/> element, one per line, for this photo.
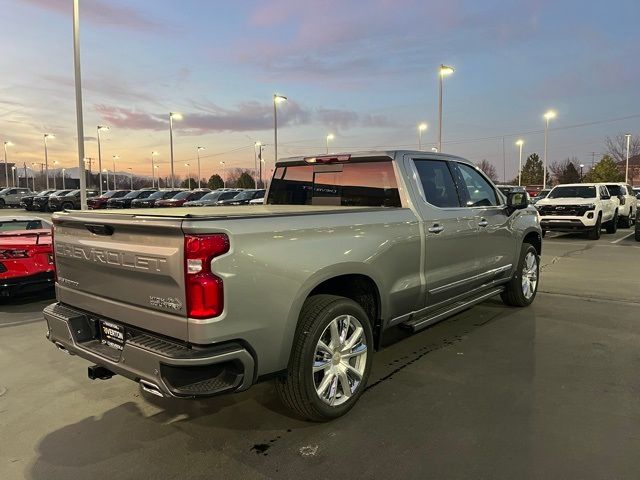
<point x="26" y="261"/>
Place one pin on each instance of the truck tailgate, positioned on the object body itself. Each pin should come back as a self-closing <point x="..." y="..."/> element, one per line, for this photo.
<point x="126" y="267"/>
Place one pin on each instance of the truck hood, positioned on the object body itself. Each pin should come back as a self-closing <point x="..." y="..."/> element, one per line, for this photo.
<point x="565" y="201"/>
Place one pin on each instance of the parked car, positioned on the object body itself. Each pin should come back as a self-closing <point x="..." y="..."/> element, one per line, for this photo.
<point x="627" y="209"/>
<point x="125" y="202"/>
<point x="100" y="202"/>
<point x="243" y="198"/>
<point x="257" y="201"/>
<point x="10" y="197"/>
<point x="26" y="261"/>
<point x="541" y="195"/>
<point x="583" y="207"/>
<point x="26" y="202"/>
<point x="41" y="202"/>
<point x="70" y="201"/>
<point x="180" y="198"/>
<point x="351" y="247"/>
<point x="212" y="198"/>
<point x="18" y="223"/>
<point x="150" y="201"/>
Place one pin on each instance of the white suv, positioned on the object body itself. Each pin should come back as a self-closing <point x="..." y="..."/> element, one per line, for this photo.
<point x="627" y="209"/>
<point x="10" y="197"/>
<point x="579" y="207"/>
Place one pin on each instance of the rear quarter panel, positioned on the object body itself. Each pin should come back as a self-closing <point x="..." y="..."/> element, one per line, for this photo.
<point x="274" y="263"/>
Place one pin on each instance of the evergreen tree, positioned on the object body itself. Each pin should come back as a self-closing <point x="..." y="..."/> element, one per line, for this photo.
<point x="215" y="181"/>
<point x="606" y="170"/>
<point x="245" y="180"/>
<point x="532" y="170"/>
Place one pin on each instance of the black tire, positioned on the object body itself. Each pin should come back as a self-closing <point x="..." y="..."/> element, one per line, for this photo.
<point x="514" y="295"/>
<point x="66" y="206"/>
<point x="637" y="232"/>
<point x="624" y="222"/>
<point x="544" y="233"/>
<point x="612" y="225"/>
<point x="594" y="233"/>
<point x="2" y="204"/>
<point x="297" y="389"/>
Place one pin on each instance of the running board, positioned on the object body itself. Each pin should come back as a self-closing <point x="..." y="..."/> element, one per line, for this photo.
<point x="423" y="322"/>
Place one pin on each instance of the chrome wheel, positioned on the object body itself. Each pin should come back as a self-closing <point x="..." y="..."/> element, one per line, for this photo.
<point x="340" y="360"/>
<point x="529" y="275"/>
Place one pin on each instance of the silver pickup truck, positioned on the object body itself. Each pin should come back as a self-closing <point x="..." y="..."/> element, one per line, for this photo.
<point x="199" y="301"/>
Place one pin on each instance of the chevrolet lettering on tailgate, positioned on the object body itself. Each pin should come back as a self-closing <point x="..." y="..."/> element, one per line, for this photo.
<point x="111" y="257"/>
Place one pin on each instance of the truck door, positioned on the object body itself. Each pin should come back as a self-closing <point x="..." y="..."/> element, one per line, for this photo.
<point x="451" y="263"/>
<point x="496" y="247"/>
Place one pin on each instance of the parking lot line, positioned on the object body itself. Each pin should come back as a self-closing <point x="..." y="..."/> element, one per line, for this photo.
<point x="622" y="238"/>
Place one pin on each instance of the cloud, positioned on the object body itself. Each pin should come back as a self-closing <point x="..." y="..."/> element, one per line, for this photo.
<point x="102" y="13"/>
<point x="245" y="117"/>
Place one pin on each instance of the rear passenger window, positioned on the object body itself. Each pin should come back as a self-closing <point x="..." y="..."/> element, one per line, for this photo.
<point x="479" y="191"/>
<point x="437" y="183"/>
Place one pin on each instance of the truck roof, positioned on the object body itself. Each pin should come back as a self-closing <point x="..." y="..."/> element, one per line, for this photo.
<point x="392" y="154"/>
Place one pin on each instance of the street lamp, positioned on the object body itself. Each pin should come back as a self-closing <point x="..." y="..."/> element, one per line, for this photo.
<point x="547" y="116"/>
<point x="259" y="160"/>
<point x="107" y="172"/>
<point x="64" y="174"/>
<point x="6" y="166"/>
<point x="46" y="157"/>
<point x="276" y="100"/>
<point x="130" y="177"/>
<point x="156" y="167"/>
<point x="331" y="136"/>
<point x="13" y="176"/>
<point x="198" y="149"/>
<point x="520" y="143"/>
<point x="114" y="158"/>
<point x="444" y="72"/>
<point x="626" y="170"/>
<point x="581" y="167"/>
<point x="177" y="116"/>
<point x="188" y="165"/>
<point x="224" y="181"/>
<point x="421" y="128"/>
<point x="153" y="169"/>
<point x="55" y="162"/>
<point x="33" y="176"/>
<point x="100" y="128"/>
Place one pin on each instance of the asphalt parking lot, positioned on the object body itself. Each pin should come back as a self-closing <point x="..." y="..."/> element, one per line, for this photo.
<point x="550" y="391"/>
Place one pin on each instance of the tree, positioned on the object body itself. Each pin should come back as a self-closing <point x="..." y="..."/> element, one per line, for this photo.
<point x="245" y="180"/>
<point x="617" y="147"/>
<point x="606" y="170"/>
<point x="532" y="170"/>
<point x="565" y="171"/>
<point x="488" y="169"/>
<point x="185" y="183"/>
<point x="215" y="181"/>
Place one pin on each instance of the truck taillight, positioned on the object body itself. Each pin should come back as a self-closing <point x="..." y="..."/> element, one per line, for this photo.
<point x="204" y="290"/>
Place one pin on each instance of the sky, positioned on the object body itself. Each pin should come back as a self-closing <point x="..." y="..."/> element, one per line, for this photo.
<point x="364" y="71"/>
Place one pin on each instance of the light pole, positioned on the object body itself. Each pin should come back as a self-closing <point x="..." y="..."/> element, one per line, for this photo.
<point x="177" y="116"/>
<point x="79" y="120"/>
<point x="626" y="170"/>
<point x="547" y="116"/>
<point x="46" y="155"/>
<point x="421" y="128"/>
<point x="520" y="143"/>
<point x="13" y="176"/>
<point x="188" y="165"/>
<point x="130" y="177"/>
<point x="276" y="100"/>
<point x="107" y="172"/>
<point x="581" y="176"/>
<point x="33" y="176"/>
<point x="260" y="146"/>
<point x="198" y="149"/>
<point x="64" y="174"/>
<point x="224" y="180"/>
<point x="444" y="71"/>
<point x="55" y="162"/>
<point x="100" y="128"/>
<point x="114" y="158"/>
<point x="153" y="169"/>
<point x="329" y="137"/>
<point x="6" y="165"/>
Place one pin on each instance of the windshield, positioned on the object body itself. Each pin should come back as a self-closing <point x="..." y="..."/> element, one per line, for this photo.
<point x="4" y="190"/>
<point x="23" y="225"/>
<point x="60" y="193"/>
<point x="108" y="194"/>
<point x="181" y="196"/>
<point x="211" y="196"/>
<point x="74" y="193"/>
<point x="369" y="183"/>
<point x="169" y="194"/>
<point x="228" y="195"/>
<point x="573" y="192"/>
<point x="246" y="195"/>
<point x="615" y="190"/>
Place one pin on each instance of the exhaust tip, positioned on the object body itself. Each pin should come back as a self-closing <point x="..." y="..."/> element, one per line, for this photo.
<point x="62" y="348"/>
<point x="151" y="388"/>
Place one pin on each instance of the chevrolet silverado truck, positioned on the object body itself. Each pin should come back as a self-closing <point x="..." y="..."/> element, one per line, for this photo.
<point x="580" y="207"/>
<point x="196" y="302"/>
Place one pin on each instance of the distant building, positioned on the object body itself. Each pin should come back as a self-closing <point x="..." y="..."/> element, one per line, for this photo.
<point x="634" y="170"/>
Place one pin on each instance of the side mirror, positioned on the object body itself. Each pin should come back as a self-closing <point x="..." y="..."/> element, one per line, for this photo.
<point x="517" y="200"/>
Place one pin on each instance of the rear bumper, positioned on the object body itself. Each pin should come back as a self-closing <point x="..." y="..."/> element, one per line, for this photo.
<point x="174" y="369"/>
<point x="32" y="283"/>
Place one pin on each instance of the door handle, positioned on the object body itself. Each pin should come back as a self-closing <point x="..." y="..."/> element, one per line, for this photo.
<point x="436" y="228"/>
<point x="483" y="223"/>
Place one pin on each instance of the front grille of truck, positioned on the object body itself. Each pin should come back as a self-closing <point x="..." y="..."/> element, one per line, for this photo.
<point x="565" y="210"/>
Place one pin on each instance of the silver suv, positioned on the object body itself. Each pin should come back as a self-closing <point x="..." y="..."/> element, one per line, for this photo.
<point x="10" y="197"/>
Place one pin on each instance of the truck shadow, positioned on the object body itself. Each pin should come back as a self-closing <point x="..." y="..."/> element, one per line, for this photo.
<point x="241" y="428"/>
